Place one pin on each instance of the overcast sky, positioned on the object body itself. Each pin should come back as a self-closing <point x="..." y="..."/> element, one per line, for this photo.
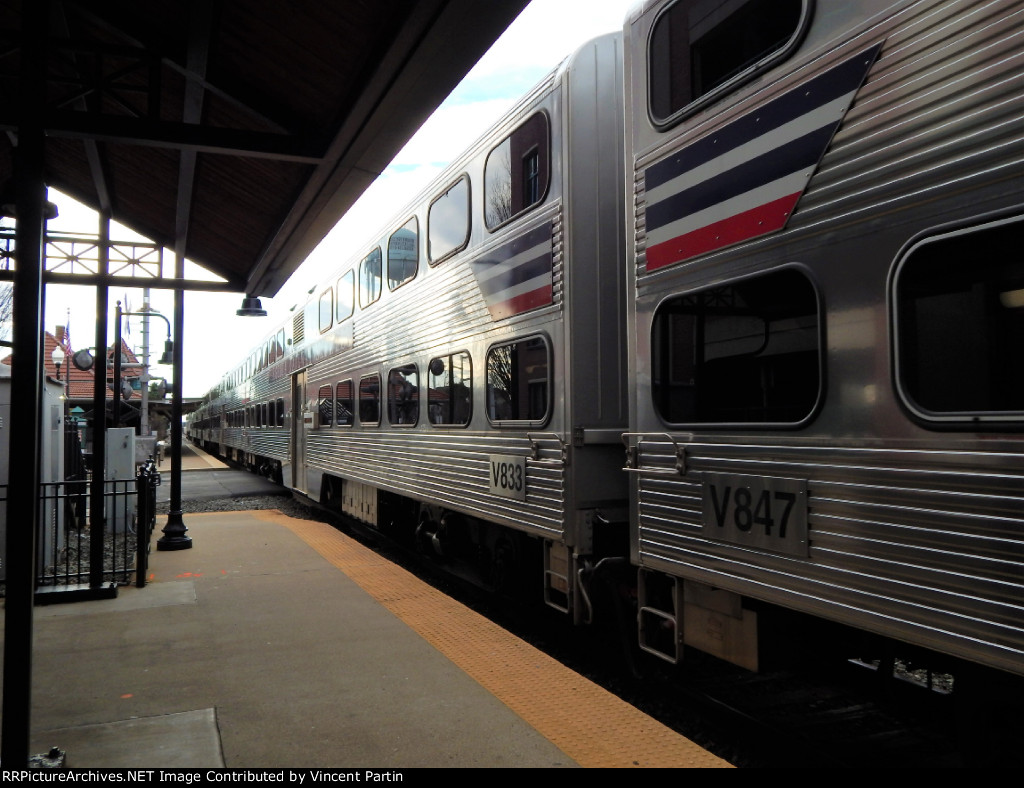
<point x="543" y="35"/>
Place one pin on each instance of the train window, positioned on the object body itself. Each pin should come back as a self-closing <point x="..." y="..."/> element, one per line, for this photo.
<point x="959" y="325"/>
<point x="325" y="405"/>
<point x="516" y="173"/>
<point x="450" y="389"/>
<point x="280" y="413"/>
<point x="403" y="254"/>
<point x="747" y="352"/>
<point x="344" y="406"/>
<point x="404" y="395"/>
<point x="346" y="295"/>
<point x="448" y="222"/>
<point x="518" y="379"/>
<point x="369" y="278"/>
<point x="369" y="400"/>
<point x="697" y="50"/>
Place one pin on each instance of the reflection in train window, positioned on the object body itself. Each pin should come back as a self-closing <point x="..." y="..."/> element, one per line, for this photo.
<point x="404" y="395"/>
<point x="448" y="222"/>
<point x="369" y="400"/>
<point x="280" y="413"/>
<point x="403" y="254"/>
<point x="326" y="309"/>
<point x="369" y="278"/>
<point x="346" y="295"/>
<point x="344" y="404"/>
<point x="516" y="173"/>
<point x="325" y="405"/>
<point x="450" y="389"/>
<point x="960" y="325"/>
<point x="745" y="352"/>
<point x="695" y="49"/>
<point x="518" y="376"/>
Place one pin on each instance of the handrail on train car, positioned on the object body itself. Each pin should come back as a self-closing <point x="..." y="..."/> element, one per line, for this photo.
<point x="633" y="454"/>
<point x="535" y="447"/>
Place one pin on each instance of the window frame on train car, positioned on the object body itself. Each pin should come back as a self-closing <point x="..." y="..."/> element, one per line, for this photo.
<point x="542" y="147"/>
<point x="363" y="380"/>
<point x="433" y="259"/>
<point x="443" y="370"/>
<point x="408" y="405"/>
<point x="363" y="266"/>
<point x="490" y="399"/>
<point x="395" y="282"/>
<point x="325" y="406"/>
<point x="280" y="412"/>
<point x="325" y="310"/>
<point x="720" y="388"/>
<point x="680" y="109"/>
<point x="350" y="291"/>
<point x="350" y="399"/>
<point x="970" y="353"/>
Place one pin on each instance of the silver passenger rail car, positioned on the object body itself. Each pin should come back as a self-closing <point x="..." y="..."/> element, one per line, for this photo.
<point x="462" y="382"/>
<point x="244" y="417"/>
<point x="826" y="309"/>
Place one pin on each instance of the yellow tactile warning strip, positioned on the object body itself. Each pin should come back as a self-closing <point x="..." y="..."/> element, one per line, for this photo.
<point x="591" y="726"/>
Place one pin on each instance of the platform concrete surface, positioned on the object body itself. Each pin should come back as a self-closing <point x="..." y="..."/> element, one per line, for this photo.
<point x="206" y="478"/>
<point x="252" y="650"/>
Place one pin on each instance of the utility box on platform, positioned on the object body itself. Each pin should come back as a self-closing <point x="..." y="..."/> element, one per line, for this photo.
<point x="51" y="447"/>
<point x="119" y="478"/>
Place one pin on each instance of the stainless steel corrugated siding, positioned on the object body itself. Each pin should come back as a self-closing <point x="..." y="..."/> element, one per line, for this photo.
<point x="449" y="469"/>
<point x="929" y="541"/>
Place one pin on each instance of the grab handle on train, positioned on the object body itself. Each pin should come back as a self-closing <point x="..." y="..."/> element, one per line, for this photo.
<point x="535" y="448"/>
<point x="633" y="454"/>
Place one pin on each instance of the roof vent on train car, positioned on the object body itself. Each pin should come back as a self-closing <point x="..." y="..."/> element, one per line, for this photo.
<point x="251" y="307"/>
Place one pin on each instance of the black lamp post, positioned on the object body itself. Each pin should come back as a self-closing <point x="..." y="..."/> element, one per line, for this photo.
<point x="174" y="531"/>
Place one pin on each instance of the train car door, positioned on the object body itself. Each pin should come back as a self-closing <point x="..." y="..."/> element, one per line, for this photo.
<point x="299" y="431"/>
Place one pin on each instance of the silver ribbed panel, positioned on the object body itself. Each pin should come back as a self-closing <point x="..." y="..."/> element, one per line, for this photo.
<point x="928" y="541"/>
<point x="449" y="469"/>
<point x="941" y="110"/>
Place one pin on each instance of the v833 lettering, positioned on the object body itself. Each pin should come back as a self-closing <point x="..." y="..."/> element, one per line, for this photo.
<point x="508" y="476"/>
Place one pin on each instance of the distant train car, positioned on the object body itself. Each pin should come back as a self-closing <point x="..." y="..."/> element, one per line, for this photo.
<point x="826" y="315"/>
<point x="463" y="382"/>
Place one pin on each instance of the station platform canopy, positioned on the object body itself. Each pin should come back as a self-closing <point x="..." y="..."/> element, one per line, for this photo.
<point x="236" y="132"/>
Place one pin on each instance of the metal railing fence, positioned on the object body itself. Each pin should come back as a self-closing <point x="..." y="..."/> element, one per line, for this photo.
<point x="65" y="552"/>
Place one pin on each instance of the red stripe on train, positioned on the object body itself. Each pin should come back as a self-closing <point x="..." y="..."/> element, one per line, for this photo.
<point x="764" y="219"/>
<point x="521" y="303"/>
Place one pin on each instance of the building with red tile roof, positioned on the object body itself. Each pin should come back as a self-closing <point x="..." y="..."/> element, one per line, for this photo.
<point x="79" y="383"/>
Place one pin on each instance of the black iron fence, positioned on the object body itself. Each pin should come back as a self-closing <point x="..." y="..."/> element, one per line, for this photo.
<point x="68" y="556"/>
